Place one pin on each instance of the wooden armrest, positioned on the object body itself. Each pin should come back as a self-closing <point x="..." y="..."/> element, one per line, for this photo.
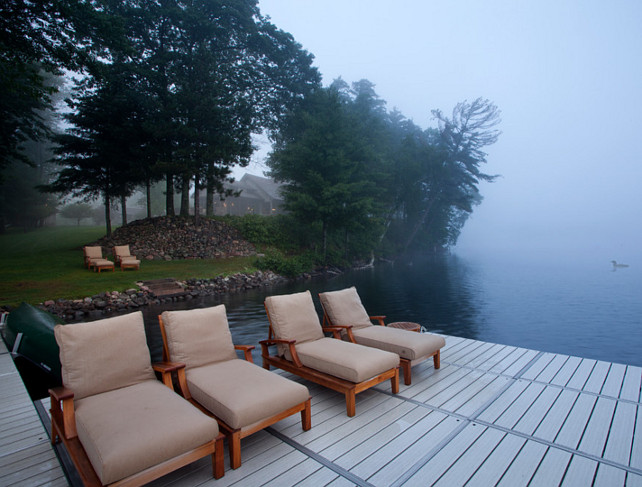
<point x="63" y="412"/>
<point x="247" y="351"/>
<point x="380" y="319"/>
<point x="167" y="367"/>
<point x="276" y="341"/>
<point x="335" y="330"/>
<point x="61" y="393"/>
<point x="166" y="370"/>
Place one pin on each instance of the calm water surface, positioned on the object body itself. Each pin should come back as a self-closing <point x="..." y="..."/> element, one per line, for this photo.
<point x="572" y="306"/>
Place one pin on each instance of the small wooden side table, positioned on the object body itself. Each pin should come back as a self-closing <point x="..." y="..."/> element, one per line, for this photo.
<point x="405" y="325"/>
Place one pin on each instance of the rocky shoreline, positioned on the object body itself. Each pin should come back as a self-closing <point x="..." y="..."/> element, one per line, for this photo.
<point x="114" y="302"/>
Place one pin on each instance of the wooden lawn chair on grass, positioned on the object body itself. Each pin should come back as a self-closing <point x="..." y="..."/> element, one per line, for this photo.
<point x="120" y="425"/>
<point x="344" y="311"/>
<point x="94" y="259"/>
<point x="243" y="397"/>
<point x="304" y="350"/>
<point x="123" y="257"/>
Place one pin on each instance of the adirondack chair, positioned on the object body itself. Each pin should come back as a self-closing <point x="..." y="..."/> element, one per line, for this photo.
<point x="343" y="309"/>
<point x="243" y="397"/>
<point x="119" y="424"/>
<point x="303" y="350"/>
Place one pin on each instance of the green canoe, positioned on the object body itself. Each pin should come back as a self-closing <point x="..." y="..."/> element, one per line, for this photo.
<point x="29" y="335"/>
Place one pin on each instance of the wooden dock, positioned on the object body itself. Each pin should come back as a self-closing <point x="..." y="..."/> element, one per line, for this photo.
<point x="26" y="456"/>
<point x="492" y="415"/>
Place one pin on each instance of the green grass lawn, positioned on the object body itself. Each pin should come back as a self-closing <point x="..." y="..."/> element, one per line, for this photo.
<point x="48" y="264"/>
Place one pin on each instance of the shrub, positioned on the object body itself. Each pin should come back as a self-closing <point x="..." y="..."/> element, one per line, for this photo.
<point x="292" y="266"/>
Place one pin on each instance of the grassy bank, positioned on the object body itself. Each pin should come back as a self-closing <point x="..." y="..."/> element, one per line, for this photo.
<point x="48" y="264"/>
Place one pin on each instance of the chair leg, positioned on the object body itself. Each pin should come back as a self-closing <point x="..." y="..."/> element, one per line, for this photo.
<point x="350" y="403"/>
<point x="437" y="359"/>
<point x="218" y="458"/>
<point x="407" y="377"/>
<point x="235" y="449"/>
<point x="306" y="417"/>
<point x="394" y="382"/>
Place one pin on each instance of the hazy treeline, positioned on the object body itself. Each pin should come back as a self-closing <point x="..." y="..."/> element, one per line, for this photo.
<point x="365" y="180"/>
<point x="174" y="91"/>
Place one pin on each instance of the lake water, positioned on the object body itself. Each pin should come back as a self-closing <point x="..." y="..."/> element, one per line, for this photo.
<point x="572" y="306"/>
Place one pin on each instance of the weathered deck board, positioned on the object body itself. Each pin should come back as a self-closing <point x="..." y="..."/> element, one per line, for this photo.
<point x="492" y="415"/>
<point x="26" y="456"/>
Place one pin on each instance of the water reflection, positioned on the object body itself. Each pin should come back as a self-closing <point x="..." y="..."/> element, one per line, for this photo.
<point x="438" y="292"/>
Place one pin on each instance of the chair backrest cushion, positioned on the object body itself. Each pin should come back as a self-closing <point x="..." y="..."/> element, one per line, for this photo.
<point x="93" y="252"/>
<point x="104" y="355"/>
<point x="198" y="337"/>
<point x="121" y="250"/>
<point x="293" y="317"/>
<point x="344" y="308"/>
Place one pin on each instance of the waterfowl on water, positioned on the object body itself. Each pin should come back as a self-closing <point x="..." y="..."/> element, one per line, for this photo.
<point x="615" y="264"/>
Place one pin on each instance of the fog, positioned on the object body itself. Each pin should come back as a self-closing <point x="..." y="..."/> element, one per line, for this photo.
<point x="567" y="77"/>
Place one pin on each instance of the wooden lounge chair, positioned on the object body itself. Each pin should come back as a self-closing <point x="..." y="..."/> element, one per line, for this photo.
<point x="124" y="259"/>
<point x="343" y="310"/>
<point x="94" y="259"/>
<point x="120" y="425"/>
<point x="243" y="397"/>
<point x="304" y="350"/>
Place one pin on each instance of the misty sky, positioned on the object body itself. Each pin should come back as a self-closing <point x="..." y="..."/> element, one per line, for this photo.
<point x="566" y="75"/>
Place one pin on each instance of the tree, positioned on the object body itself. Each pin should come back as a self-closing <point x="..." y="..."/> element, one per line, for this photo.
<point x="37" y="40"/>
<point x="101" y="151"/>
<point x="321" y="157"/>
<point x="451" y="184"/>
<point x="77" y="211"/>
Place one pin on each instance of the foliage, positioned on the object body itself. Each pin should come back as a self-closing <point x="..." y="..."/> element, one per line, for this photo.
<point x="77" y="211"/>
<point x="361" y="180"/>
<point x="278" y="231"/>
<point x="36" y="41"/>
<point x="325" y="160"/>
<point x="288" y="266"/>
<point x="181" y="86"/>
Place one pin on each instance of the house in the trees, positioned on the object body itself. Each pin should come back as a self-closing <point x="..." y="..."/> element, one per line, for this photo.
<point x="259" y="195"/>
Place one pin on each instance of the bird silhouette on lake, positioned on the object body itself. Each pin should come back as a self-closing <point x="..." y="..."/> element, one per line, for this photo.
<point x="618" y="266"/>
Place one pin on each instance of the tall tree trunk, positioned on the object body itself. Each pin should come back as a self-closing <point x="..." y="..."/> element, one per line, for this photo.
<point x="209" y="196"/>
<point x="197" y="197"/>
<point x="324" y="240"/>
<point x="123" y="209"/>
<point x="169" y="196"/>
<point x="148" y="194"/>
<point x="107" y="215"/>
<point x="185" y="196"/>
<point x="420" y="223"/>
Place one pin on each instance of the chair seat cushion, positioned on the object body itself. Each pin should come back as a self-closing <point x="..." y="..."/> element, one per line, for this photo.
<point x="348" y="361"/>
<point x="241" y="393"/>
<point x="125" y="431"/>
<point x="407" y="344"/>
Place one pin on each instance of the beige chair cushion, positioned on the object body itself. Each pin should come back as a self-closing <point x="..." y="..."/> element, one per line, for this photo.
<point x="241" y="393"/>
<point x="348" y="361"/>
<point x="127" y="430"/>
<point x="344" y="308"/>
<point x="122" y="251"/>
<point x="198" y="336"/>
<point x="103" y="355"/>
<point x="293" y="317"/>
<point x="93" y="252"/>
<point x="407" y="344"/>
